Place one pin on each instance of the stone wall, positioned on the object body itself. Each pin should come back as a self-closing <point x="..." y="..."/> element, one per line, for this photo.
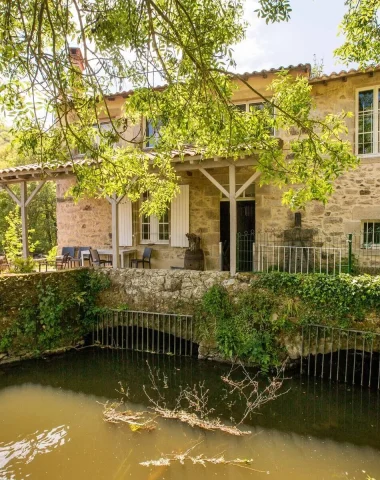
<point x="164" y="291"/>
<point x="85" y="223"/>
<point x="22" y="299"/>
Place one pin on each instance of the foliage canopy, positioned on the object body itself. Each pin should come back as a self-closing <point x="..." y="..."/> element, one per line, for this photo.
<point x="187" y="44"/>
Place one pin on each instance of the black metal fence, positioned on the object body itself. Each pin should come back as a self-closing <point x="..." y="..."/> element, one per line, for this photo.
<point x="153" y="332"/>
<point x="343" y="355"/>
<point x="306" y="251"/>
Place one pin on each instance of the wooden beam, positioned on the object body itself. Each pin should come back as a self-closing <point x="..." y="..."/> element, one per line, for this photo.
<point x="11" y="194"/>
<point x="115" y="230"/>
<point x="186" y="166"/>
<point x="35" y="192"/>
<point x="233" y="219"/>
<point x="24" y="219"/>
<point x="244" y="187"/>
<point x="215" y="182"/>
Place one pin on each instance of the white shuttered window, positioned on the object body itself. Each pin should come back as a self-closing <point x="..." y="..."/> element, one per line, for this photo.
<point x="179" y="218"/>
<point x="125" y="223"/>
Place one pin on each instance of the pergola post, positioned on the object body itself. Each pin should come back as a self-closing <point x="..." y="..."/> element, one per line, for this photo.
<point x="23" y="202"/>
<point x="114" y="201"/>
<point x="24" y="219"/>
<point x="115" y="233"/>
<point x="233" y="218"/>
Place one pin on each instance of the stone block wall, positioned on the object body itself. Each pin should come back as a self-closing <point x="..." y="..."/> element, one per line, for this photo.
<point x="85" y="223"/>
<point x="164" y="291"/>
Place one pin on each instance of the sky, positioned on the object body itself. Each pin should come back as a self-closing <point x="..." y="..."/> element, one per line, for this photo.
<point x="313" y="29"/>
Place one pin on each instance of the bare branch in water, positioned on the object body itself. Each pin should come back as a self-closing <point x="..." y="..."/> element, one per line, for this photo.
<point x="167" y="460"/>
<point x="248" y="388"/>
<point x="135" y="420"/>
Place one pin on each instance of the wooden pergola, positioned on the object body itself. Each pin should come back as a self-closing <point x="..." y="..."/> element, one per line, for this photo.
<point x="22" y="175"/>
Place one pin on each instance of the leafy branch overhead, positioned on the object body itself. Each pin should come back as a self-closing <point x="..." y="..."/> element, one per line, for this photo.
<point x="57" y="99"/>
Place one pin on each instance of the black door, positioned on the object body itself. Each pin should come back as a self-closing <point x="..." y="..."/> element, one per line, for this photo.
<point x="245" y="228"/>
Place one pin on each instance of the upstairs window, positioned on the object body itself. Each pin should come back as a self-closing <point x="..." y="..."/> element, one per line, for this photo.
<point x="367" y="121"/>
<point x="250" y="106"/>
<point x="151" y="133"/>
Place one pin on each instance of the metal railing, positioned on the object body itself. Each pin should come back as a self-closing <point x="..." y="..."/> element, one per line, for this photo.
<point x="306" y="251"/>
<point x="145" y="332"/>
<point x="344" y="355"/>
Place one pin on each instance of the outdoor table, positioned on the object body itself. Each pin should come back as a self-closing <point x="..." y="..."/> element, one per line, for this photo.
<point x="108" y="251"/>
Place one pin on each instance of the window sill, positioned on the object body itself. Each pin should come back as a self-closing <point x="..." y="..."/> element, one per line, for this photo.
<point x="368" y="155"/>
<point x="150" y="242"/>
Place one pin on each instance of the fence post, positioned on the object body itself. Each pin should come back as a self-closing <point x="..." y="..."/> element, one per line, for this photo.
<point x="349" y="252"/>
<point x="221" y="256"/>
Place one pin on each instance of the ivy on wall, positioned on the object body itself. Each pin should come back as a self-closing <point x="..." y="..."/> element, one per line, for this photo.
<point x="250" y="325"/>
<point x="42" y="312"/>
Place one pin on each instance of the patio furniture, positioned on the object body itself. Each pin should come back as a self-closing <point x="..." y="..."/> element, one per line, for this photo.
<point x="124" y="253"/>
<point x="96" y="260"/>
<point x="61" y="262"/>
<point x="4" y="264"/>
<point x="145" y="258"/>
<point x="76" y="258"/>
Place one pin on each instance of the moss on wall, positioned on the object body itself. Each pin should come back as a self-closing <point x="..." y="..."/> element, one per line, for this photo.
<point x="39" y="312"/>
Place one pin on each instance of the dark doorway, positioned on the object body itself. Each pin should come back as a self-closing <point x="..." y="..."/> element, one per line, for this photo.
<point x="245" y="224"/>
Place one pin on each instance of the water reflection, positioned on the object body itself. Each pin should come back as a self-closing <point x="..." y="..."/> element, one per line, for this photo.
<point x="27" y="448"/>
<point x="51" y="425"/>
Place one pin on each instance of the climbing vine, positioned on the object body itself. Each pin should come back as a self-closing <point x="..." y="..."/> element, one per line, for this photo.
<point x="244" y="327"/>
<point x="251" y="325"/>
<point x="59" y="314"/>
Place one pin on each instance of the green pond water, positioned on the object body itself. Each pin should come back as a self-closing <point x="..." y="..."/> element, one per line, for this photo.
<point x="51" y="424"/>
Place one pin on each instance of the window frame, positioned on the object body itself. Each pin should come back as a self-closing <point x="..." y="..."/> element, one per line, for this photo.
<point x="247" y="104"/>
<point x="154" y="226"/>
<point x="150" y="141"/>
<point x="372" y="245"/>
<point x="375" y="129"/>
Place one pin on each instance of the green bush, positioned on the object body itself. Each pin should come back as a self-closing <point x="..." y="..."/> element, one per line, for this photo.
<point x="22" y="265"/>
<point x="250" y="326"/>
<point x="61" y="312"/>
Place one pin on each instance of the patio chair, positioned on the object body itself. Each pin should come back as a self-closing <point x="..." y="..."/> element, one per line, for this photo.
<point x="144" y="260"/>
<point x="96" y="260"/>
<point x="64" y="262"/>
<point x="61" y="262"/>
<point x="4" y="264"/>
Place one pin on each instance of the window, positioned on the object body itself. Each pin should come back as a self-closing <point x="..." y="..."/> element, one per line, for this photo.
<point x="151" y="133"/>
<point x="110" y="134"/>
<point x="367" y="128"/>
<point x="371" y="234"/>
<point x="153" y="229"/>
<point x="249" y="107"/>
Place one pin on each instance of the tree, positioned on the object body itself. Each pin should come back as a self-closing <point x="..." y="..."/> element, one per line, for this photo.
<point x="361" y="28"/>
<point x="188" y="45"/>
<point x="41" y="212"/>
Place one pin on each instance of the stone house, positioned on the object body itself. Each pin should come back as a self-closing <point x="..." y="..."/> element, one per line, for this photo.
<point x="203" y="207"/>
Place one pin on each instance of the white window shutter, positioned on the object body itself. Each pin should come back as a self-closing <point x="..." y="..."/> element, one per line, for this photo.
<point x="179" y="218"/>
<point x="125" y="222"/>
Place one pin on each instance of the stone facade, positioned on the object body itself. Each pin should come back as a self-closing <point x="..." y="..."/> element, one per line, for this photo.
<point x="356" y="197"/>
<point x="88" y="222"/>
<point x="156" y="290"/>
